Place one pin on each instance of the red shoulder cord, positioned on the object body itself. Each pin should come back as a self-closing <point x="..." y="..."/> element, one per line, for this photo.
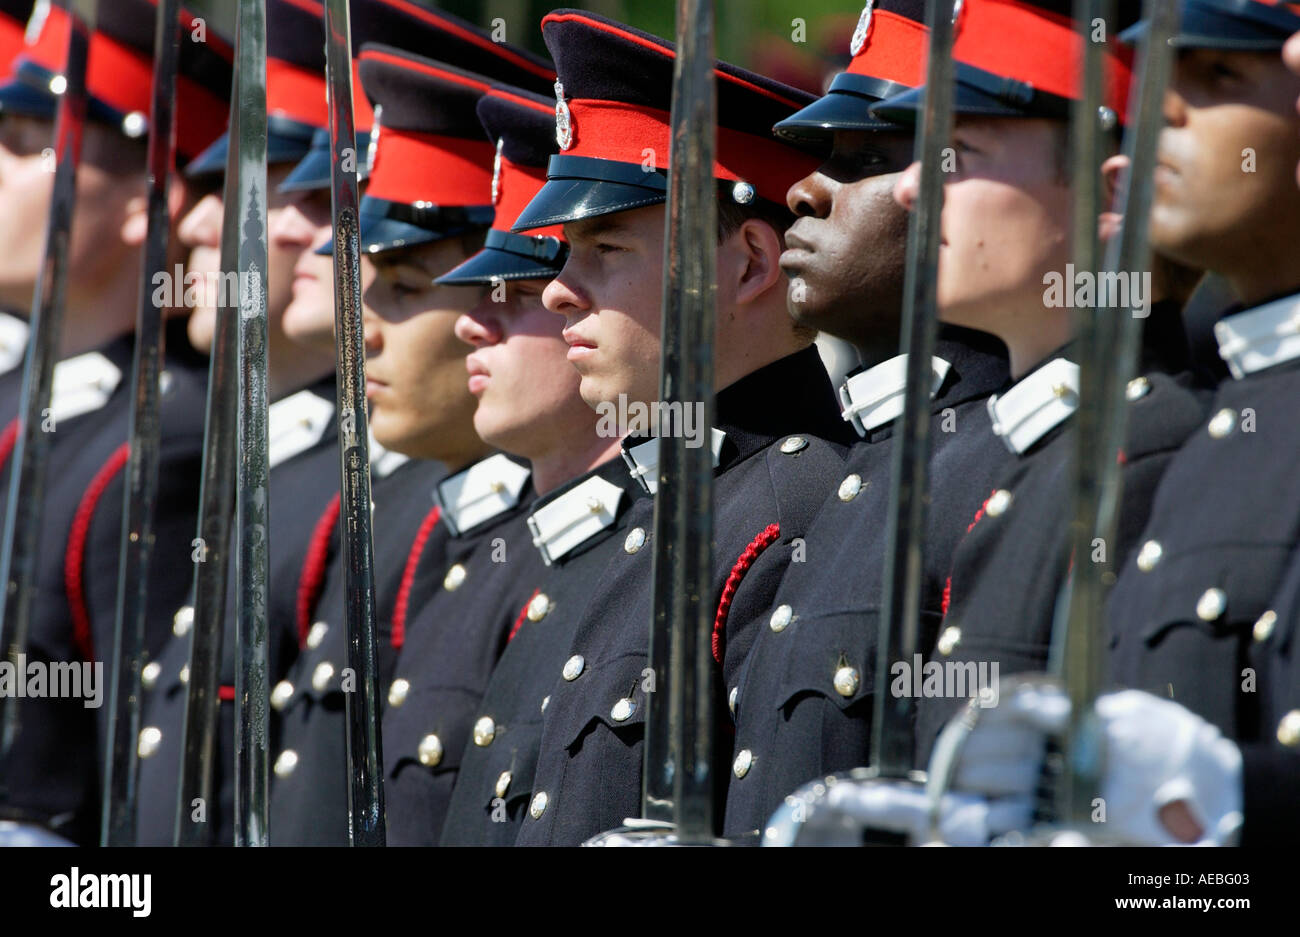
<point x="523" y="613"/>
<point x="430" y="521"/>
<point x="312" y="579"/>
<point x="76" y="552"/>
<point x="947" y="586"/>
<point x="747" y="558"/>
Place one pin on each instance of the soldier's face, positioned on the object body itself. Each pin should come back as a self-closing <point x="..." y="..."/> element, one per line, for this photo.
<point x="415" y="365"/>
<point x="302" y="225"/>
<point x="528" y="401"/>
<point x="1005" y="226"/>
<point x="1225" y="195"/>
<point x="609" y="294"/>
<point x="200" y="230"/>
<point x="26" y="183"/>
<point x="846" y="252"/>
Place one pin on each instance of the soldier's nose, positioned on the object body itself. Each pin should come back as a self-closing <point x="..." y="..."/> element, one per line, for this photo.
<point x="478" y="329"/>
<point x="809" y="196"/>
<point x="201" y="226"/>
<point x="289" y="227"/>
<point x="560" y="297"/>
<point x="908" y="186"/>
<point x="372" y="335"/>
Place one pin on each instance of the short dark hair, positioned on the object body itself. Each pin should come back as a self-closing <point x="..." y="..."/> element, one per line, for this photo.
<point x="731" y="214"/>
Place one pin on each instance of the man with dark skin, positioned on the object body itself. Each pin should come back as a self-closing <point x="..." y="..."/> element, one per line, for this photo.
<point x="845" y="255"/>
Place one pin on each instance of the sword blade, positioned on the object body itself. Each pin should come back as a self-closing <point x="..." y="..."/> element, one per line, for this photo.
<point x="26" y="506"/>
<point x="252" y="467"/>
<point x="141" y="489"/>
<point x="677" y="784"/>
<point x="893" y="743"/>
<point x="365" y="754"/>
<point x="216" y="514"/>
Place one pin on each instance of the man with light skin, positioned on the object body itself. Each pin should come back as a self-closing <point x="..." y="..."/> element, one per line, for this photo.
<point x="777" y="436"/>
<point x="427" y="530"/>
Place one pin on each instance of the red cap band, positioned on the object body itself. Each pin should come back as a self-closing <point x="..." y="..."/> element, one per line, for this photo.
<point x="415" y="167"/>
<point x="1025" y="42"/>
<point x="624" y="132"/>
<point x="516" y="186"/>
<point x="122" y="78"/>
<point x="895" y="50"/>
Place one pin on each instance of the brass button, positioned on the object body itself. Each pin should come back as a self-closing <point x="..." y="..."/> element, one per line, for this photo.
<point x="322" y="675"/>
<point x="485" y="730"/>
<point x="150" y="739"/>
<point x="149" y="675"/>
<point x="1264" y="626"/>
<point x="317" y="634"/>
<point x="623" y="709"/>
<point x="184" y="675"/>
<point x="1137" y="388"/>
<point x="732" y="699"/>
<point x="949" y="640"/>
<point x="1211" y="604"/>
<point x="850" y="487"/>
<point x="1149" y="555"/>
<point x="634" y="540"/>
<point x="546" y="701"/>
<point x="281" y="695"/>
<point x="793" y="444"/>
<point x="538" y="805"/>
<point x="573" y="667"/>
<point x="285" y="763"/>
<point x="781" y="618"/>
<point x="430" y="751"/>
<point x="503" y="783"/>
<point x="182" y="620"/>
<point x="998" y="503"/>
<point x="846" y="681"/>
<point x="1288" y="730"/>
<point x="1223" y="423"/>
<point x="744" y="761"/>
<point x="538" y="607"/>
<point x="397" y="692"/>
<point x="455" y="577"/>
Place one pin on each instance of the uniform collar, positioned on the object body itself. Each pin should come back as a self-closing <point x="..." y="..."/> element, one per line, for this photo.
<point x="82" y="384"/>
<point x="296" y="423"/>
<point x="384" y="462"/>
<point x="13" y="342"/>
<point x="792" y="395"/>
<point x="1261" y="337"/>
<point x="874" y="397"/>
<point x="481" y="492"/>
<point x="642" y="460"/>
<point x="1036" y="404"/>
<point x="573" y="515"/>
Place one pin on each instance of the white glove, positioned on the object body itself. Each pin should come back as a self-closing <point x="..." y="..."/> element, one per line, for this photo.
<point x="837" y="811"/>
<point x="22" y="834"/>
<point x="1156" y="752"/>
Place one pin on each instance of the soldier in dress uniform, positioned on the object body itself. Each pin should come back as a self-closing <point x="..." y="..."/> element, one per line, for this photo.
<point x="303" y="450"/>
<point x="802" y="704"/>
<point x="1009" y="567"/>
<point x="14" y="15"/>
<point x="52" y="777"/>
<point x="426" y="207"/>
<point x="586" y="490"/>
<point x="778" y="442"/>
<point x="1203" y="615"/>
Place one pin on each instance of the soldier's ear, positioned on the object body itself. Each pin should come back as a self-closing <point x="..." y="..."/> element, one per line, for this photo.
<point x="135" y="224"/>
<point x="1113" y="173"/>
<point x="749" y="262"/>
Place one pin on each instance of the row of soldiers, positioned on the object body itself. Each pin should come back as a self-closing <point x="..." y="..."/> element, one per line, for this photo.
<point x="513" y="226"/>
